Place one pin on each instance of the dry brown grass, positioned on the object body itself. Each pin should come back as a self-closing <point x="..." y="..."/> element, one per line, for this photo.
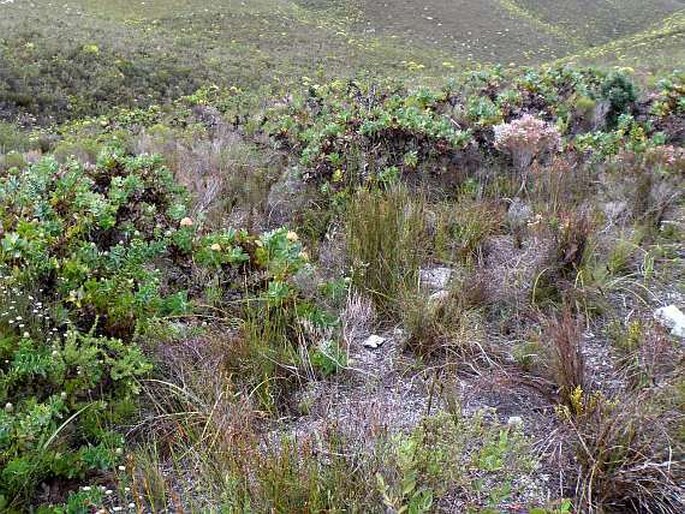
<point x="628" y="460"/>
<point x="561" y="340"/>
<point x="227" y="178"/>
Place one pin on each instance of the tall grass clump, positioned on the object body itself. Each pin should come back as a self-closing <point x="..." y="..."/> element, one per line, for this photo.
<point x="563" y="337"/>
<point x="446" y="323"/>
<point x="384" y="233"/>
<point x="628" y="456"/>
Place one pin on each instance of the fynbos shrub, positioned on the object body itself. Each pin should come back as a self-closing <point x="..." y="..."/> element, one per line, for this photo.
<point x="88" y="256"/>
<point x="525" y="139"/>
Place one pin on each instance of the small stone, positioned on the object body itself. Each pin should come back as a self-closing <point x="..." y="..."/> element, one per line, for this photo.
<point x="215" y="247"/>
<point x="435" y="278"/>
<point x="672" y="317"/>
<point x="515" y="421"/>
<point x="374" y="341"/>
<point x="187" y="222"/>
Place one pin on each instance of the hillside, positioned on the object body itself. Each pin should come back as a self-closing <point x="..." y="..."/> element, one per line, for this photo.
<point x="87" y="56"/>
<point x="342" y="257"/>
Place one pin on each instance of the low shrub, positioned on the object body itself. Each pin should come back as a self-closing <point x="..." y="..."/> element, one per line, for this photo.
<point x="620" y="92"/>
<point x="526" y="138"/>
<point x="477" y="457"/>
<point x="90" y="256"/>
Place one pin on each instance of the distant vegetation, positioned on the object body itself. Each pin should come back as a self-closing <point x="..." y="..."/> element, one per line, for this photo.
<point x="91" y="56"/>
<point x="206" y="209"/>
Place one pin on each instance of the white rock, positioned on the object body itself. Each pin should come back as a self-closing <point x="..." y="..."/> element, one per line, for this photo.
<point x="672" y="317"/>
<point x="435" y="278"/>
<point x="515" y="421"/>
<point x="374" y="341"/>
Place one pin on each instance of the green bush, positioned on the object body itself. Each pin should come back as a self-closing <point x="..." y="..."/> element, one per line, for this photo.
<point x="352" y="133"/>
<point x="77" y="252"/>
<point x="86" y="238"/>
<point x="89" y="255"/>
<point x="620" y="92"/>
<point x="60" y="396"/>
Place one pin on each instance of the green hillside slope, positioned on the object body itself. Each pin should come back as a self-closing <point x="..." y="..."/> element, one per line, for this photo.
<point x="87" y="55"/>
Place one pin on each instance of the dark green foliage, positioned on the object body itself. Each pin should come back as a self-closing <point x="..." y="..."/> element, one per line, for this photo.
<point x="55" y="81"/>
<point x="620" y="92"/>
<point x="60" y="395"/>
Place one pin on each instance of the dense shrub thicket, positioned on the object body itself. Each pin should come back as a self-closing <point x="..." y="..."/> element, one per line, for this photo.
<point x="349" y="132"/>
